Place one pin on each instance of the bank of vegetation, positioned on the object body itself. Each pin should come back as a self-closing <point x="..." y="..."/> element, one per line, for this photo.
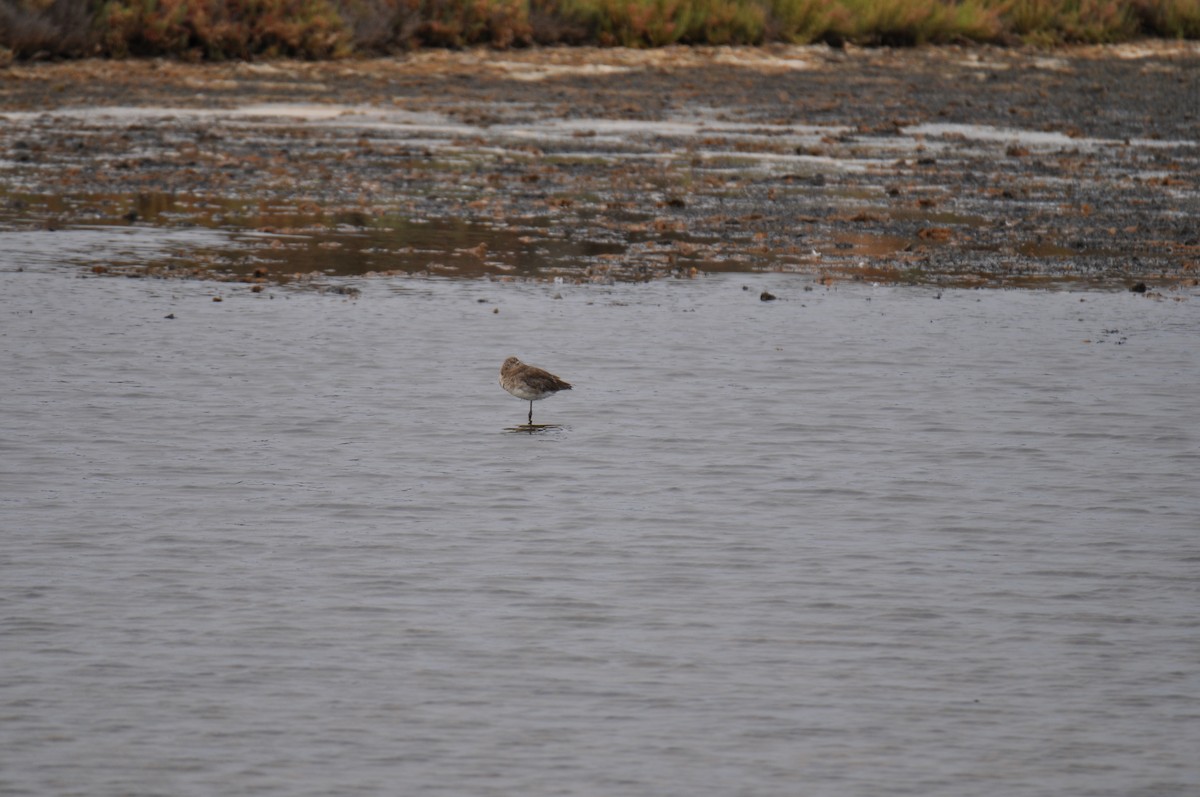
<point x="317" y="29"/>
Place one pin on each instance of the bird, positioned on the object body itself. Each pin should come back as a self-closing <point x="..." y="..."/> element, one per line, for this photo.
<point x="528" y="383"/>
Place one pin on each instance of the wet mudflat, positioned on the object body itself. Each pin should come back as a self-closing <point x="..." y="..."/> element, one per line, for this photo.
<point x="948" y="166"/>
<point x="870" y="539"/>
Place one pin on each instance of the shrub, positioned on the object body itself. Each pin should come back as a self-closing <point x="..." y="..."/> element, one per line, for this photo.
<point x="628" y="23"/>
<point x="1053" y="21"/>
<point x="804" y="21"/>
<point x="390" y="25"/>
<point x="1176" y="19"/>
<point x="455" y="23"/>
<point x="53" y="27"/>
<point x="220" y="29"/>
<point x="725" y="22"/>
<point x="910" y="22"/>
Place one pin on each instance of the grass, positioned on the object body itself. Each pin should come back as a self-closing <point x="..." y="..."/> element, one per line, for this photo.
<point x="319" y="29"/>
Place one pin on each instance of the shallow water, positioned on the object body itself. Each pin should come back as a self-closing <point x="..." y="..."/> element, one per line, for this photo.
<point x="860" y="540"/>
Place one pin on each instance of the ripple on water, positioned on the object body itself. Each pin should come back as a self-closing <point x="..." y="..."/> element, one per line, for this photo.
<point x="286" y="546"/>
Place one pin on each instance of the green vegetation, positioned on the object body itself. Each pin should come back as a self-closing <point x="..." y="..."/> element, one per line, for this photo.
<point x="225" y="29"/>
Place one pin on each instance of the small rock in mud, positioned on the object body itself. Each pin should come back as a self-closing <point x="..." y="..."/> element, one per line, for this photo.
<point x="766" y="296"/>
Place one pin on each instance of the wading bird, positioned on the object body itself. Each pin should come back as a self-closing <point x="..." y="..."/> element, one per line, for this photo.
<point x="529" y="383"/>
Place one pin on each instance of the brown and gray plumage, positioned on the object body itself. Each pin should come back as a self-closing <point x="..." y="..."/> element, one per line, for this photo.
<point x="529" y="383"/>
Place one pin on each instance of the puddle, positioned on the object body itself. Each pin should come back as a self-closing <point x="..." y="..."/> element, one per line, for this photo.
<point x="102" y="246"/>
<point x="699" y="122"/>
<point x="1032" y="138"/>
<point x="166" y="235"/>
<point x="1044" y="249"/>
<point x="933" y="216"/>
<point x="868" y="245"/>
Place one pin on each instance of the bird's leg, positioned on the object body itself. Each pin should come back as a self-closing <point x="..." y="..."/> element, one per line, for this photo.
<point x="531" y="413"/>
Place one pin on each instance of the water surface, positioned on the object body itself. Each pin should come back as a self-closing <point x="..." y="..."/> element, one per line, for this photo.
<point x="860" y="540"/>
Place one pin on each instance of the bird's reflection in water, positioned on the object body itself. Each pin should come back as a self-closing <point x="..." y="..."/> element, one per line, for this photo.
<point x="534" y="428"/>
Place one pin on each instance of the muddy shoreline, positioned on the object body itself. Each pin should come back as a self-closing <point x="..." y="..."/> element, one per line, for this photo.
<point x="956" y="166"/>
